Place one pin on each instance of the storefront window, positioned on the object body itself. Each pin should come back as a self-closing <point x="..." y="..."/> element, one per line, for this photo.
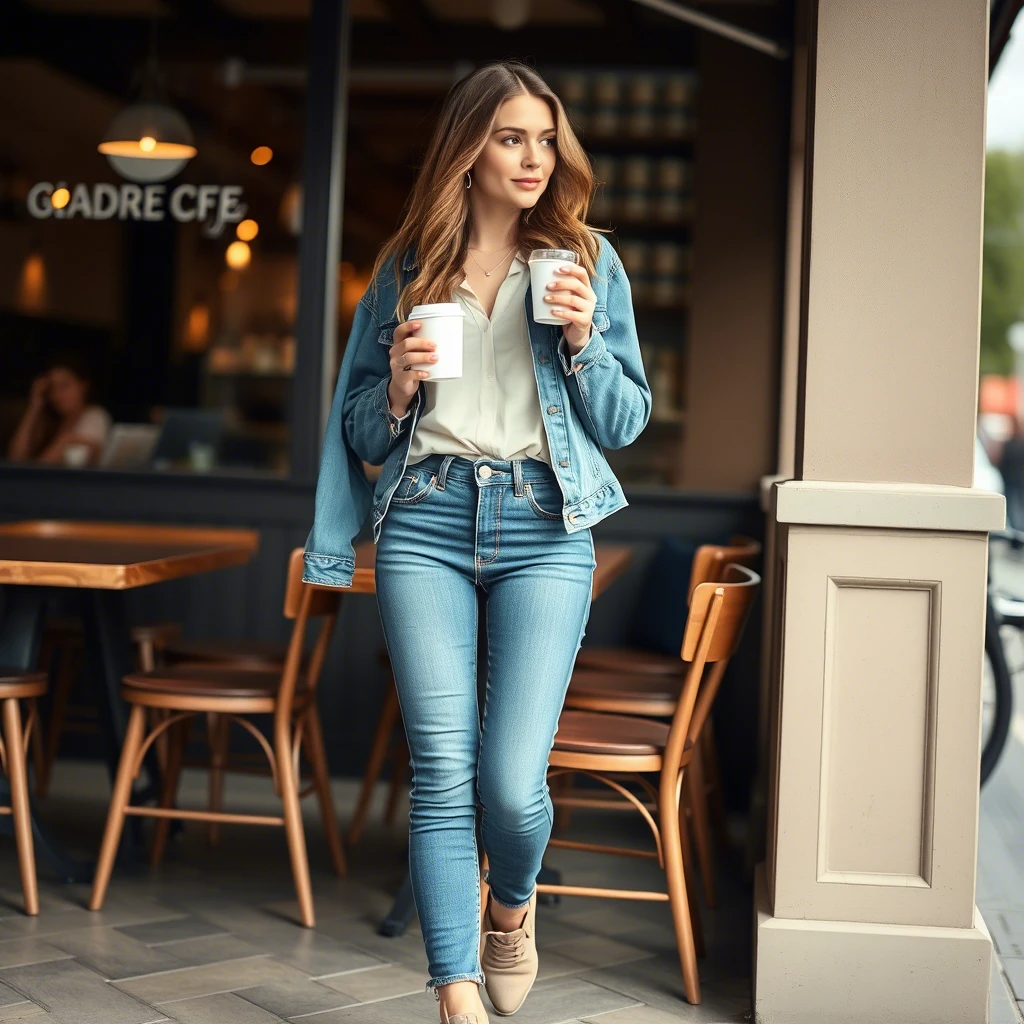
<point x="149" y="219"/>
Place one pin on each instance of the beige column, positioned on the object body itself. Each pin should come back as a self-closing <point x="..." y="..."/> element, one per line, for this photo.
<point x="865" y="904"/>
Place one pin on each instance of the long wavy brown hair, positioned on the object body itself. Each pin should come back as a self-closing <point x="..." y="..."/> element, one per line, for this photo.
<point x="435" y="221"/>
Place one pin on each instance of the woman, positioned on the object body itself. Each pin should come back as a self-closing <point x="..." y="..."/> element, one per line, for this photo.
<point x="489" y="487"/>
<point x="59" y="424"/>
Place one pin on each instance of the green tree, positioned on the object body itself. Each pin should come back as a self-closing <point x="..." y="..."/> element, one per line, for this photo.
<point x="1002" y="277"/>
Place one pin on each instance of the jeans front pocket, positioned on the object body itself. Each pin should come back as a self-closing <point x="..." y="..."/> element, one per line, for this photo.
<point x="416" y="485"/>
<point x="550" y="495"/>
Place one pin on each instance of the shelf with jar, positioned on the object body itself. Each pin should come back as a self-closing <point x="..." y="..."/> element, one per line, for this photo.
<point x="651" y="106"/>
<point x="638" y="193"/>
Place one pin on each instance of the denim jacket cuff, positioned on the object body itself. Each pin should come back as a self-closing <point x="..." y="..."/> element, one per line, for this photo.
<point x="328" y="570"/>
<point x="590" y="353"/>
<point x="394" y="423"/>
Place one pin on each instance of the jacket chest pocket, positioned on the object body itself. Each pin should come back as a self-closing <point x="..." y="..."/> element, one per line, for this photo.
<point x="601" y="321"/>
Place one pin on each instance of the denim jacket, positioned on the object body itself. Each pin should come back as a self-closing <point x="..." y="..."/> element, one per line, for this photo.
<point x="597" y="399"/>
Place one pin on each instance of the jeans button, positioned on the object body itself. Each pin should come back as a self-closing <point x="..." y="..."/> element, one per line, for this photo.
<point x="485" y="472"/>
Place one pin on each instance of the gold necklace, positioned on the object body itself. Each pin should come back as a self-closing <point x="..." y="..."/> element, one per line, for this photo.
<point x="487" y="273"/>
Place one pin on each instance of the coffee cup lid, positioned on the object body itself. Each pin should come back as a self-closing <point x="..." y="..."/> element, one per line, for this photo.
<point x="554" y="254"/>
<point x="431" y="309"/>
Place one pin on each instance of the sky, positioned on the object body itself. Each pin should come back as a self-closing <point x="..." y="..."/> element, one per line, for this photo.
<point x="1006" y="95"/>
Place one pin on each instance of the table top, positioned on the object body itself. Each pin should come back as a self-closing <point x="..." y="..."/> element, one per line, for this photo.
<point x="612" y="562"/>
<point x="115" y="556"/>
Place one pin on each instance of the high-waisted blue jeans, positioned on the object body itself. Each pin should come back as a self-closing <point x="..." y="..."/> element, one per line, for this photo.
<point x="456" y="526"/>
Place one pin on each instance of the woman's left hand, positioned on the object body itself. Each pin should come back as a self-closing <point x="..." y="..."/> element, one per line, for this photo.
<point x="572" y="299"/>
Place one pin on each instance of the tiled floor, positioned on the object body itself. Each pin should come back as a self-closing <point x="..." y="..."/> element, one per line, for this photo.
<point x="210" y="938"/>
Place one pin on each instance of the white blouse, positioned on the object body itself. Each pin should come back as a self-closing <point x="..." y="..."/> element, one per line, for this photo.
<point x="493" y="409"/>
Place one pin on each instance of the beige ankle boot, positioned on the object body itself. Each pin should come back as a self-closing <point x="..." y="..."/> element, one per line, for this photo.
<point x="509" y="960"/>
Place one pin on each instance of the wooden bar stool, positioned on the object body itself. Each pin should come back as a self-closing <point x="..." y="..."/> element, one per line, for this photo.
<point x="651" y="693"/>
<point x="234" y="693"/>
<point x="14" y="688"/>
<point x="61" y="656"/>
<point x="615" y="749"/>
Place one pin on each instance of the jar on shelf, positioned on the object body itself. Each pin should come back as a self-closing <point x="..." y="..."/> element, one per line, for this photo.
<point x="606" y="105"/>
<point x="641" y="106"/>
<point x="574" y="90"/>
<point x="636" y="187"/>
<point x="677" y="105"/>
<point x="605" y="201"/>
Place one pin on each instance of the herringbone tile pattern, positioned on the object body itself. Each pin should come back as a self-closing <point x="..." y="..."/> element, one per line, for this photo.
<point x="211" y="938"/>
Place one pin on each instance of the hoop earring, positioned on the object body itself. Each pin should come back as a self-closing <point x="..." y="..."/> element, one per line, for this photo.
<point x="469" y="180"/>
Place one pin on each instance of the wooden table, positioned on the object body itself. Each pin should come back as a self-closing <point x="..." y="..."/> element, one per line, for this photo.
<point x="612" y="561"/>
<point x="102" y="561"/>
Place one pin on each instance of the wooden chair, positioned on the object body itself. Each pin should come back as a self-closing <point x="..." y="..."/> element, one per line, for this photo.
<point x="654" y="694"/>
<point x="14" y="688"/>
<point x="233" y="693"/>
<point x="615" y="749"/>
<point x="741" y="550"/>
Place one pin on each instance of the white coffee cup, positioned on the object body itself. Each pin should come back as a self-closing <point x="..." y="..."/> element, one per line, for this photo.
<point x="543" y="266"/>
<point x="441" y="323"/>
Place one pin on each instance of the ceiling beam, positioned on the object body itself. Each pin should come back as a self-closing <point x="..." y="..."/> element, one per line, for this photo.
<point x="29" y="33"/>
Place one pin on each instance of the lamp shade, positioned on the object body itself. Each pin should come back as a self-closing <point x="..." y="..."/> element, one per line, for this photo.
<point x="148" y="142"/>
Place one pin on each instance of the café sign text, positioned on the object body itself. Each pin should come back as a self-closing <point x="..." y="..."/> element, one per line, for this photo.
<point x="213" y="206"/>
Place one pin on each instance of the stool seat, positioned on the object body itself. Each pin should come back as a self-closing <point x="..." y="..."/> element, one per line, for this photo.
<point x="592" y="732"/>
<point x="18" y="685"/>
<point x="208" y="680"/>
<point x="629" y="659"/>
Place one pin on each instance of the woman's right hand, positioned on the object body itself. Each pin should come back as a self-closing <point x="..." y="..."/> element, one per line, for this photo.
<point x="407" y="349"/>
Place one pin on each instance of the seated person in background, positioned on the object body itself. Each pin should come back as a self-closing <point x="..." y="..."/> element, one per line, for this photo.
<point x="59" y="425"/>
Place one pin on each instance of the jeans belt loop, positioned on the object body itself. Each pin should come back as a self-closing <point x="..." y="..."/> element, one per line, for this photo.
<point x="517" y="478"/>
<point x="442" y="476"/>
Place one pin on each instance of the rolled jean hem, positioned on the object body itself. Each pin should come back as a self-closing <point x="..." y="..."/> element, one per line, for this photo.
<point x="510" y="906"/>
<point x="452" y="978"/>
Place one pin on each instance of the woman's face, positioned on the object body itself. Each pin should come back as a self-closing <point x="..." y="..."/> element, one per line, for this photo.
<point x="67" y="391"/>
<point x="519" y="156"/>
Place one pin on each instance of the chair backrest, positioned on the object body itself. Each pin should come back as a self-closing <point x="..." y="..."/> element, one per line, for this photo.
<point x="718" y="613"/>
<point x="737" y="586"/>
<point x="710" y="560"/>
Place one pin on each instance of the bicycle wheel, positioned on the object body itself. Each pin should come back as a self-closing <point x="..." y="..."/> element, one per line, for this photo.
<point x="997" y="698"/>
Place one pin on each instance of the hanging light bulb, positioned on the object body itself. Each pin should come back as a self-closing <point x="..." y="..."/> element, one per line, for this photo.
<point x="148" y="142"/>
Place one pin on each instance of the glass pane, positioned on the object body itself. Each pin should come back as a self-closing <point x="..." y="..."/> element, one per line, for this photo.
<point x="149" y="219"/>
